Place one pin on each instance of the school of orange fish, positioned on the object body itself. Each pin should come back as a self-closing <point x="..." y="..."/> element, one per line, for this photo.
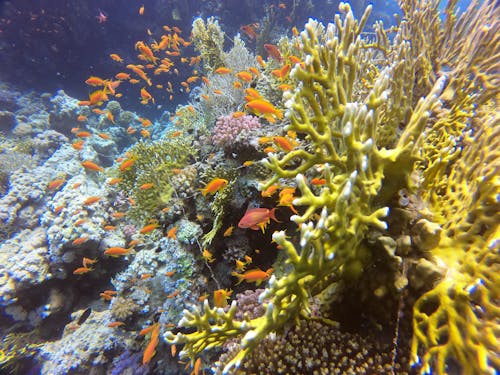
<point x="160" y="57"/>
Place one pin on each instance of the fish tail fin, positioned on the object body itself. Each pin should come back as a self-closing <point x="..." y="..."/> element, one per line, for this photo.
<point x="237" y="275"/>
<point x="272" y="215"/>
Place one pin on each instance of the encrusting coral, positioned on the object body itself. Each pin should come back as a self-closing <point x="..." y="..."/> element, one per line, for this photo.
<point x="368" y="146"/>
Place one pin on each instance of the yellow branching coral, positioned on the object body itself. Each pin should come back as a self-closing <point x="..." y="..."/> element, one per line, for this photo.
<point x="458" y="320"/>
<point x="342" y="134"/>
<point x="368" y="145"/>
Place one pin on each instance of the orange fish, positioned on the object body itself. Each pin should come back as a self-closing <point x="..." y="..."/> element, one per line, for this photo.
<point x="270" y="191"/>
<point x="115" y="181"/>
<point x="80" y="222"/>
<point x="318" y="181"/>
<point x="126" y="165"/>
<point x="110" y="117"/>
<point x="78" y="145"/>
<point x="254" y="71"/>
<point x="238" y="114"/>
<point x="56" y="184"/>
<point x="261" y="61"/>
<point x="148" y="228"/>
<point x="81" y="270"/>
<point x="87" y="164"/>
<point x="87" y="261"/>
<point x="174" y="294"/>
<point x="228" y="231"/>
<point x="146" y="96"/>
<point x="283" y="143"/>
<point x="106" y="297"/>
<point x="140" y="73"/>
<point x="83" y="134"/>
<point x="286" y="198"/>
<point x="122" y="76"/>
<point x="282" y="73"/>
<point x="95" y="81"/>
<point x="81" y="118"/>
<point x="133" y="243"/>
<point x="98" y="97"/>
<point x="256" y="276"/>
<point x="240" y="266"/>
<point x="257" y="218"/>
<point x="244" y="76"/>
<point x="104" y="136"/>
<point x="91" y="200"/>
<point x="117" y="251"/>
<point x="116" y="57"/>
<point x="214" y="186"/>
<point x="221" y="296"/>
<point x="146" y="186"/>
<point x="146" y="52"/>
<point x="146" y="330"/>
<point x="176" y="134"/>
<point x="262" y="107"/>
<point x="172" y="233"/>
<point x="222" y="70"/>
<point x="150" y="350"/>
<point x="79" y="240"/>
<point x="208" y="256"/>
<point x="252" y="94"/>
<point x="115" y="324"/>
<point x="141" y="10"/>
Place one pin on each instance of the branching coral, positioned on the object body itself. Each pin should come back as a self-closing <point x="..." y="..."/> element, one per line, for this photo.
<point x="342" y="135"/>
<point x="153" y="163"/>
<point x="208" y="39"/>
<point x="368" y="145"/>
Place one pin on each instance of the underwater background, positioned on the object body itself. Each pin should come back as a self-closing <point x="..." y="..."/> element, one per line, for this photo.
<point x="249" y="187"/>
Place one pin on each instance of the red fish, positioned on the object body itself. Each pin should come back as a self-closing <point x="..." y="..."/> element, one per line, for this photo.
<point x="273" y="51"/>
<point x="257" y="218"/>
<point x="249" y="30"/>
<point x="101" y="17"/>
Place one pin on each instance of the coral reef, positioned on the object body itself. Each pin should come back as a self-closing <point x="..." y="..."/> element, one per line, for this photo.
<point x="380" y="172"/>
<point x="154" y="163"/>
<point x="230" y="132"/>
<point x="86" y="346"/>
<point x="340" y="122"/>
<point x="310" y="347"/>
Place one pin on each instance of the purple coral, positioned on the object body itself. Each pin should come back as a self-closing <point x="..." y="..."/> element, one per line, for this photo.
<point x="230" y="130"/>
